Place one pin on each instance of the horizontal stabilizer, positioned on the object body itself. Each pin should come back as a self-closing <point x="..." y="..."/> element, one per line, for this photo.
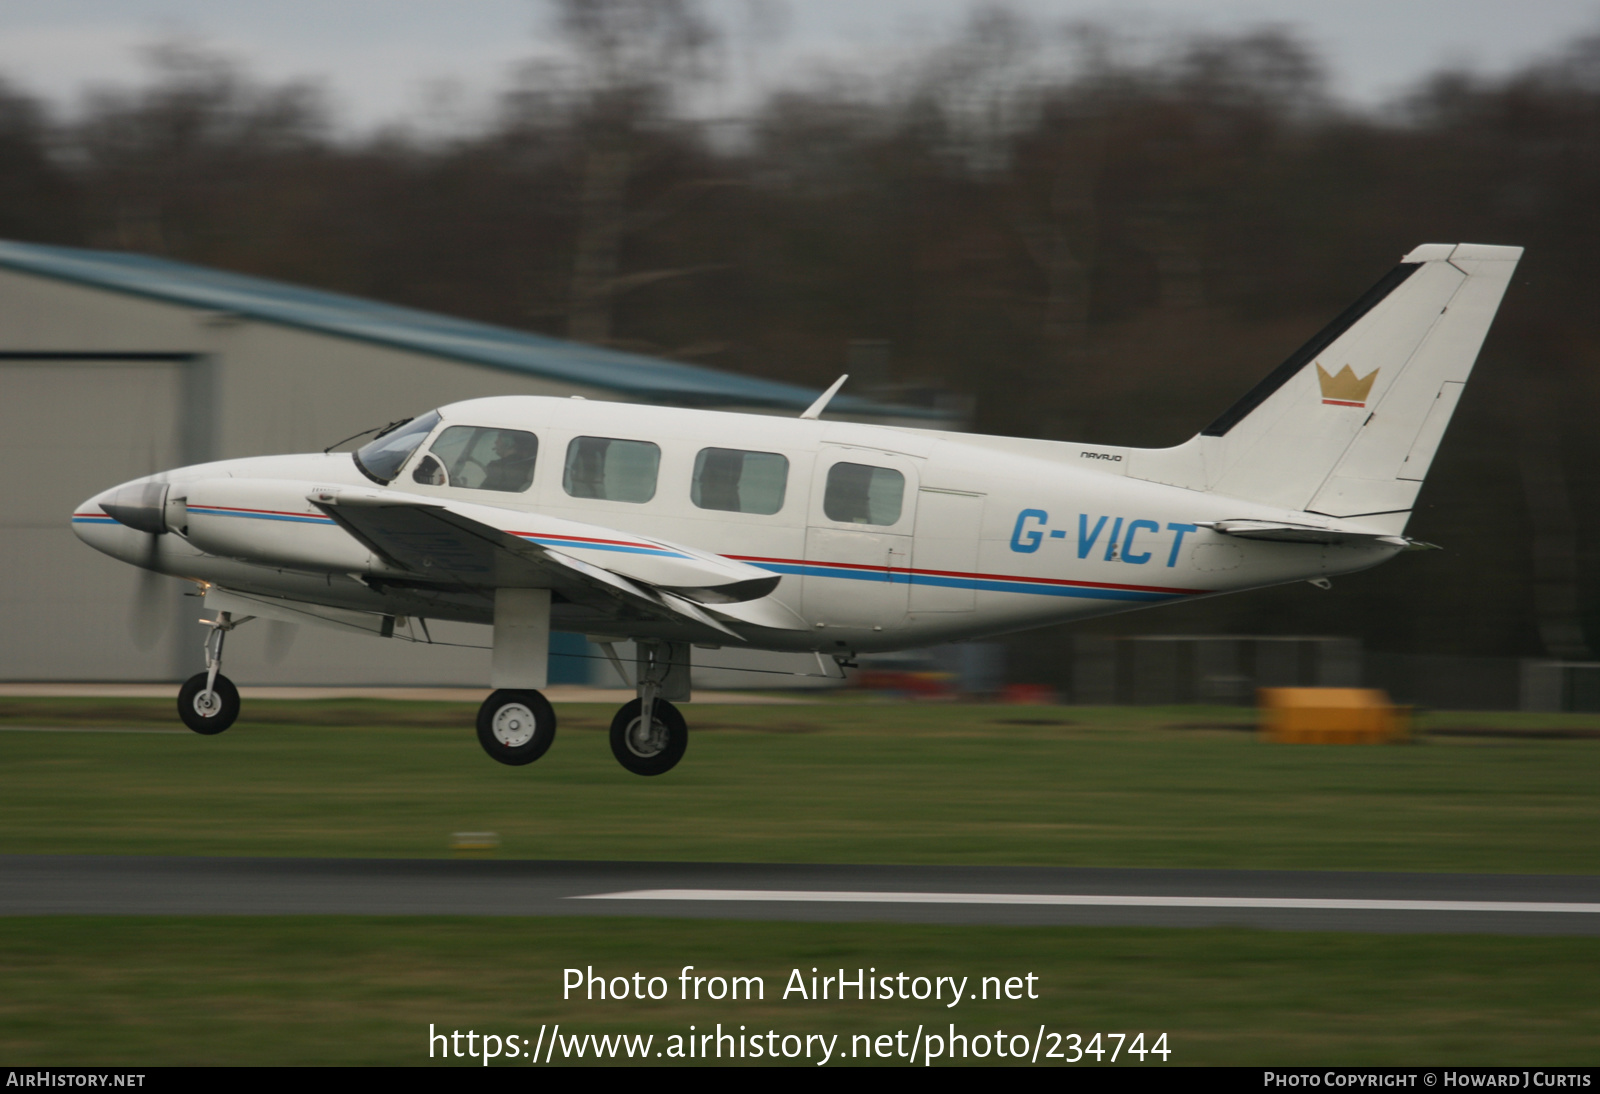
<point x="1282" y="532"/>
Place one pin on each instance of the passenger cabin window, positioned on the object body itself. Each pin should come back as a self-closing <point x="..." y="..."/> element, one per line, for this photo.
<point x="612" y="470"/>
<point x="859" y="494"/>
<point x="480" y="458"/>
<point x="739" y="482"/>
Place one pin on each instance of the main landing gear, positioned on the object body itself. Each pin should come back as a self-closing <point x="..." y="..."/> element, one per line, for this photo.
<point x="649" y="746"/>
<point x="516" y="727"/>
<point x="208" y="702"/>
<point x="648" y="735"/>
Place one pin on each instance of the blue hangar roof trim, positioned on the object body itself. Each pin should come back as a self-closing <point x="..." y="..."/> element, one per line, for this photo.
<point x="424" y="332"/>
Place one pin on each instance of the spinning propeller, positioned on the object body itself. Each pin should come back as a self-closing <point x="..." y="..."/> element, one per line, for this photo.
<point x="142" y="506"/>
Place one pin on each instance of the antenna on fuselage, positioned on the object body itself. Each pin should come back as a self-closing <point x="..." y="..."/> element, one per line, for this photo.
<point x="815" y="409"/>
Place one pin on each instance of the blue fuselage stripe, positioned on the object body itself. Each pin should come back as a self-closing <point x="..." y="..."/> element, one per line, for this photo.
<point x="209" y="512"/>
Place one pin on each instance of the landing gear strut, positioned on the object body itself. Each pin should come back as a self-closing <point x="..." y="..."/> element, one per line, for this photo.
<point x="208" y="702"/>
<point x="648" y="735"/>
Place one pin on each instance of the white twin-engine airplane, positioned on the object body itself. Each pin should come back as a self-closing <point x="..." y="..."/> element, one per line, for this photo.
<point x="686" y="528"/>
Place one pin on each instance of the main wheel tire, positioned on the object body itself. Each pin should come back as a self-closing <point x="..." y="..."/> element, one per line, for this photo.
<point x="205" y="711"/>
<point x="516" y="727"/>
<point x="654" y="752"/>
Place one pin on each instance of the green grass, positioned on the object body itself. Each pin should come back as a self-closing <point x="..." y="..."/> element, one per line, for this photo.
<point x="831" y="782"/>
<point x="363" y="990"/>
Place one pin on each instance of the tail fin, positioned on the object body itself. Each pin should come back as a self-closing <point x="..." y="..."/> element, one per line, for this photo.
<point x="1348" y="425"/>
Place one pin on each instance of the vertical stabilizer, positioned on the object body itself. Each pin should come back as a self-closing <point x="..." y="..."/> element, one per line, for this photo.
<point x="1349" y="424"/>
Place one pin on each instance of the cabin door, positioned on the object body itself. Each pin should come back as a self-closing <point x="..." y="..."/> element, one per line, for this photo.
<point x="858" y="540"/>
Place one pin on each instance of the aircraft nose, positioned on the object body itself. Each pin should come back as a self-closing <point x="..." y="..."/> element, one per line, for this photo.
<point x="103" y="520"/>
<point x="94" y="526"/>
<point x="88" y="515"/>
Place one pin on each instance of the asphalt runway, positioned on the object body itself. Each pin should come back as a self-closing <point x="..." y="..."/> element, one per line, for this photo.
<point x="1015" y="895"/>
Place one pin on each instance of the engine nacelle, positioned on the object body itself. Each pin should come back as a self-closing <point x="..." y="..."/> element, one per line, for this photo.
<point x="270" y="521"/>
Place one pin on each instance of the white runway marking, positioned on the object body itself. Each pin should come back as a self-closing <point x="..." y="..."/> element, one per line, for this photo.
<point x="1096" y="900"/>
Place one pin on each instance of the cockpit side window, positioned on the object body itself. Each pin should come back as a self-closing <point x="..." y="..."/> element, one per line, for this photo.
<point x="381" y="458"/>
<point x="480" y="458"/>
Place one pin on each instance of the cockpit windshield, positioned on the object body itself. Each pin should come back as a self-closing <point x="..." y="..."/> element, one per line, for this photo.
<point x="381" y="458"/>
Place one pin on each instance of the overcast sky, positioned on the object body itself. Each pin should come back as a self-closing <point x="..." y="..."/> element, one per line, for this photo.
<point x="376" y="58"/>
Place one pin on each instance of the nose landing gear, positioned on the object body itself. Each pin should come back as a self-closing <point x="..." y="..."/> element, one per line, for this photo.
<point x="208" y="702"/>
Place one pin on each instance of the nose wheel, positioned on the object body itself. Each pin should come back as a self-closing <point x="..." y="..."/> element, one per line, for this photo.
<point x="516" y="727"/>
<point x="208" y="706"/>
<point x="208" y="702"/>
<point x="649" y="749"/>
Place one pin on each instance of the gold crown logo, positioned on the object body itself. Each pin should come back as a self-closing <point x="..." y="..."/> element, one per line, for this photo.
<point x="1343" y="387"/>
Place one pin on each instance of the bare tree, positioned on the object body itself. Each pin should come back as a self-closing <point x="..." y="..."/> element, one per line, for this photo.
<point x="185" y="160"/>
<point x="36" y="198"/>
<point x="631" y="57"/>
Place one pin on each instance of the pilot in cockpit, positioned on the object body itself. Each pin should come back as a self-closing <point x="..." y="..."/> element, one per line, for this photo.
<point x="512" y="469"/>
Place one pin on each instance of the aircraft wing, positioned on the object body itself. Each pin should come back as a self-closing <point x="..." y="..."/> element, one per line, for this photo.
<point x="470" y="546"/>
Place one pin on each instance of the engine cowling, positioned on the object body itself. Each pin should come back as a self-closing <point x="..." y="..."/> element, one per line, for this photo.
<point x="270" y="521"/>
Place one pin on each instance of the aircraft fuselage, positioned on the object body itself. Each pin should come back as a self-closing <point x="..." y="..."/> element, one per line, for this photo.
<point x="983" y="537"/>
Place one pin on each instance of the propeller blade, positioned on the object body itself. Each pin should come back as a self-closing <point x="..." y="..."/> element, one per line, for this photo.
<point x="148" y="620"/>
<point x="142" y="506"/>
<point x="280" y="638"/>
